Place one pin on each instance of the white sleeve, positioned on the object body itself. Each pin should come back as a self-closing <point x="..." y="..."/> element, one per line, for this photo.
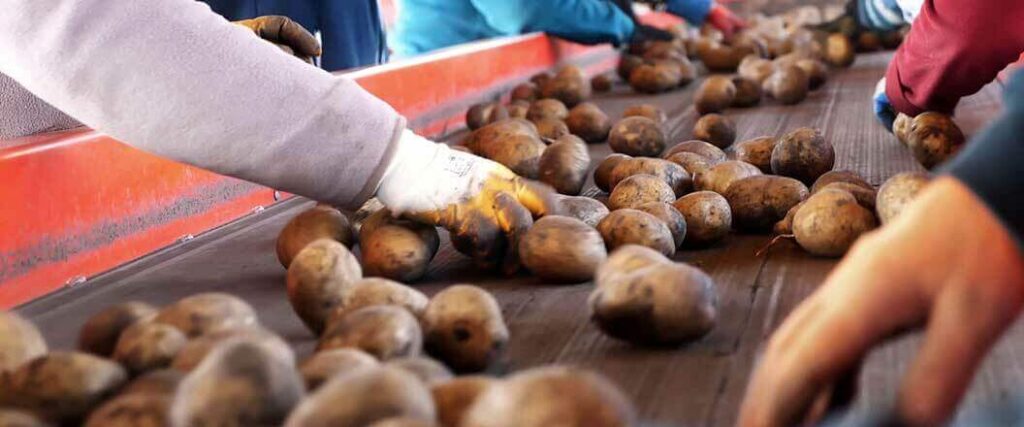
<point x="173" y="78"/>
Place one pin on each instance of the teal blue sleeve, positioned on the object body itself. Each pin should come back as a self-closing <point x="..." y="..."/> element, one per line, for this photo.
<point x="583" y="21"/>
<point x="693" y="11"/>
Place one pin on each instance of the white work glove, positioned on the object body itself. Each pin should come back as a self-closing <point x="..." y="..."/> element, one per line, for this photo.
<point x="484" y="205"/>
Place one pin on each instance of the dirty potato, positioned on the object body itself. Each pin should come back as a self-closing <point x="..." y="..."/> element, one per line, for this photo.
<point x="425" y="369"/>
<point x="668" y="215"/>
<point x="601" y="83"/>
<point x="588" y="122"/>
<point x="830" y="221"/>
<point x="480" y="115"/>
<point x="324" y="365"/>
<point x="100" y="332"/>
<point x="897" y="192"/>
<point x="758" y="202"/>
<point x="714" y="95"/>
<point x="384" y="331"/>
<point x="719" y="177"/>
<point x="562" y="249"/>
<point x="397" y="249"/>
<point x="547" y="108"/>
<point x="636" y="190"/>
<point x="20" y="341"/>
<point x="551" y="129"/>
<point x="144" y="347"/>
<point x="847" y="176"/>
<point x="633" y="227"/>
<point x="205" y="312"/>
<point x="373" y="291"/>
<point x="464" y="328"/>
<point x="603" y="171"/>
<point x="655" y="78"/>
<point x="197" y="349"/>
<point x="803" y="154"/>
<point x="708" y="217"/>
<point x="62" y="387"/>
<point x="839" y="51"/>
<point x="789" y="85"/>
<point x="318" y="277"/>
<point x="319" y="222"/>
<point x="692" y="163"/>
<point x="453" y="398"/>
<point x="714" y="154"/>
<point x="564" y="165"/>
<point x="161" y="381"/>
<point x="672" y="174"/>
<point x="933" y="138"/>
<point x="757" y="151"/>
<point x="637" y="136"/>
<point x="132" y="410"/>
<point x="585" y="209"/>
<point x="715" y="129"/>
<point x="645" y="110"/>
<point x="817" y="72"/>
<point x="524" y="92"/>
<point x="363" y="397"/>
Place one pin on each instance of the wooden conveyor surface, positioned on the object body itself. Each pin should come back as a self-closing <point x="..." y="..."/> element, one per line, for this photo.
<point x="699" y="384"/>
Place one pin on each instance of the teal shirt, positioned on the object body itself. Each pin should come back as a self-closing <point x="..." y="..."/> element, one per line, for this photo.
<point x="426" y="25"/>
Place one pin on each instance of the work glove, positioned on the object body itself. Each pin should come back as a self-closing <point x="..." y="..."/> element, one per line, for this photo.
<point x="285" y="34"/>
<point x="883" y="109"/>
<point x="646" y="33"/>
<point x="484" y="206"/>
<point x="956" y="275"/>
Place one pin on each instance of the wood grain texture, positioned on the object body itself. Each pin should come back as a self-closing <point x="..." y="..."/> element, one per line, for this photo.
<point x="698" y="384"/>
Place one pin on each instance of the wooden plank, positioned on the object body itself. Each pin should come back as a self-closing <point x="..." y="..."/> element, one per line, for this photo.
<point x="698" y="384"/>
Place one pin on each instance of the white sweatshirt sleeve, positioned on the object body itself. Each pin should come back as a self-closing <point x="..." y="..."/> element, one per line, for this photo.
<point x="173" y="78"/>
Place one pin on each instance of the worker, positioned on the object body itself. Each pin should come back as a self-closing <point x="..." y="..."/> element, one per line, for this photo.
<point x="350" y="30"/>
<point x="428" y="25"/>
<point x="952" y="261"/>
<point x="952" y="52"/>
<point x="175" y="79"/>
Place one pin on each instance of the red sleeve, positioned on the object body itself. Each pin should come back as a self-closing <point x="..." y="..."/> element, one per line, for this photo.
<point x="954" y="48"/>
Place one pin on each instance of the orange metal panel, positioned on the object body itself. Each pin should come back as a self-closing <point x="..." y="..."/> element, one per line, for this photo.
<point x="78" y="203"/>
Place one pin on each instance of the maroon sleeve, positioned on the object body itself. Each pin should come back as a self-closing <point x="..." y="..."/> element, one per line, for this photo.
<point x="954" y="48"/>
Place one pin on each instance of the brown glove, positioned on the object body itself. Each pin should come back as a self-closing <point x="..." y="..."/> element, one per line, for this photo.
<point x="285" y="34"/>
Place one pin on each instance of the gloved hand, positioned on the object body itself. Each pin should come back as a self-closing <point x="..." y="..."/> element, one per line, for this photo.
<point x="645" y="33"/>
<point x="285" y="34"/>
<point x="484" y="206"/>
<point x="883" y="109"/>
<point x="725" y="21"/>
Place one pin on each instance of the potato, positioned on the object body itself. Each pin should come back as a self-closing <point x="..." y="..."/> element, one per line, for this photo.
<point x="485" y="113"/>
<point x="655" y="78"/>
<point x="567" y="86"/>
<point x="748" y="92"/>
<point x="453" y="398"/>
<point x="789" y="85"/>
<point x="585" y="209"/>
<point x="645" y="110"/>
<point x="755" y="68"/>
<point x="657" y="49"/>
<point x="897" y="192"/>
<point x="551" y="129"/>
<point x="20" y="341"/>
<point x="205" y="312"/>
<point x="672" y="174"/>
<point x="708" y="217"/>
<point x="319" y="275"/>
<point x="719" y="177"/>
<point x="634" y="227"/>
<point x="687" y="71"/>
<point x="564" y="165"/>
<point x="324" y="365"/>
<point x="839" y="51"/>
<point x="363" y="397"/>
<point x="161" y="381"/>
<point x="637" y="136"/>
<point x="803" y="154"/>
<point x="197" y="349"/>
<point x="100" y="332"/>
<point x="552" y="396"/>
<point x="425" y="369"/>
<point x="693" y="163"/>
<point x="601" y="83"/>
<point x="144" y="347"/>
<point x="547" y="108"/>
<point x="715" y="129"/>
<point x="61" y="386"/>
<point x="10" y="417"/>
<point x="817" y="72"/>
<point x="517" y="109"/>
<point x="711" y="152"/>
<point x="758" y="202"/>
<point x="720" y="58"/>
<point x="639" y="189"/>
<point x="398" y="249"/>
<point x="540" y="78"/>
<point x="830" y="222"/>
<point x="757" y="151"/>
<point x="464" y="328"/>
<point x="588" y="122"/>
<point x="133" y="410"/>
<point x="668" y="215"/>
<point x="866" y="197"/>
<point x="933" y="138"/>
<point x="373" y="291"/>
<point x="318" y="222"/>
<point x="241" y="383"/>
<point x="840" y="176"/>
<point x="869" y="41"/>
<point x="384" y="331"/>
<point x="603" y="171"/>
<point x="901" y="127"/>
<point x="714" y="95"/>
<point x="892" y="39"/>
<point x="627" y="63"/>
<point x="562" y="249"/>
<point x="785" y="226"/>
<point x="519" y="152"/>
<point x="524" y="92"/>
<point x="662" y="303"/>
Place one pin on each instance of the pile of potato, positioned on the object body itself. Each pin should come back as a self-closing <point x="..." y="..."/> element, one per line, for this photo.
<point x="206" y="361"/>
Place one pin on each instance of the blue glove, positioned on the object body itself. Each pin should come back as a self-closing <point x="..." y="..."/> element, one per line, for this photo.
<point x="883" y="109"/>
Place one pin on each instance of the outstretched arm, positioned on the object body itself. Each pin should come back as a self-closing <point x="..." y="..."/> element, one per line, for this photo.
<point x="584" y="21"/>
<point x="175" y="79"/>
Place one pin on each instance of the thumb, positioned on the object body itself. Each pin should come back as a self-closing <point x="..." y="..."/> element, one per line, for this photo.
<point x="965" y="323"/>
<point x="538" y="198"/>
